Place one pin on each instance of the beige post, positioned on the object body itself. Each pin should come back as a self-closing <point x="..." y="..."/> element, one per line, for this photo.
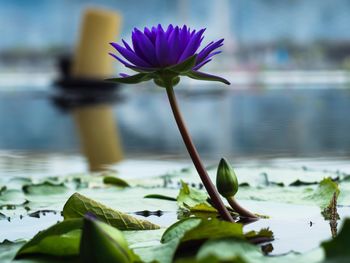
<point x="96" y="126"/>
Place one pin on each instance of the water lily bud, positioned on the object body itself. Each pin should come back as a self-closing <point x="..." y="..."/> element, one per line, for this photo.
<point x="226" y="180"/>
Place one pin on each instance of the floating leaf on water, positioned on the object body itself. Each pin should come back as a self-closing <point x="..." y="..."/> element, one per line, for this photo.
<point x="45" y="188"/>
<point x="299" y="182"/>
<point x="12" y="197"/>
<point x="2" y="189"/>
<point x="61" y="240"/>
<point x="115" y="181"/>
<point x="161" y="197"/>
<point x="78" y="205"/>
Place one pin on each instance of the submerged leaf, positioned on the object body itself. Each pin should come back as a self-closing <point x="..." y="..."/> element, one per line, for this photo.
<point x="78" y="205"/>
<point x="61" y="240"/>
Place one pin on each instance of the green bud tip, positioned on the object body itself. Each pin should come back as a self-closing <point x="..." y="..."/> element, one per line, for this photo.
<point x="226" y="179"/>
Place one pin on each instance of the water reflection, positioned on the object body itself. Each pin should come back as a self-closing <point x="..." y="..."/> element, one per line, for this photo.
<point x="287" y="122"/>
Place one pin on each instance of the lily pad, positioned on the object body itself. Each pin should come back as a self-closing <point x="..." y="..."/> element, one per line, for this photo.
<point x="78" y="205"/>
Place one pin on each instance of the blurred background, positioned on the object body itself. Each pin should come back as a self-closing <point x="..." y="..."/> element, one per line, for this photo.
<point x="288" y="62"/>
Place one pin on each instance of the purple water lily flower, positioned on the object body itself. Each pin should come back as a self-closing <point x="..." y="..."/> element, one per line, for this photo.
<point x="164" y="55"/>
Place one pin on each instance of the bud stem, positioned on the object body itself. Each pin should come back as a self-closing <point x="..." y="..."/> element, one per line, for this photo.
<point x="239" y="209"/>
<point x="209" y="186"/>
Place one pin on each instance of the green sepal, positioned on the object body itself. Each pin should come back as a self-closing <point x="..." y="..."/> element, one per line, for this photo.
<point x="134" y="79"/>
<point x="226" y="179"/>
<point x="184" y="66"/>
<point x="204" y="76"/>
<point x="167" y="79"/>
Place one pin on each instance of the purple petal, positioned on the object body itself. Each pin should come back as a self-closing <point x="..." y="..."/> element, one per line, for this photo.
<point x="124" y="75"/>
<point x="205" y="61"/>
<point x="159" y="28"/>
<point x="174" y="46"/>
<point x="127" y="45"/>
<point x="202" y="55"/>
<point x="146" y="47"/>
<point x="192" y="46"/>
<point x="150" y="34"/>
<point x="162" y="48"/>
<point x="169" y="31"/>
<point x="121" y="60"/>
<point x="201" y="64"/>
<point x="130" y="56"/>
<point x="140" y="49"/>
<point x="184" y="38"/>
<point x="136" y="68"/>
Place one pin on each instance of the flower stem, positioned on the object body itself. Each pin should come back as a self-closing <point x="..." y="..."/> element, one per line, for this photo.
<point x="239" y="209"/>
<point x="209" y="186"/>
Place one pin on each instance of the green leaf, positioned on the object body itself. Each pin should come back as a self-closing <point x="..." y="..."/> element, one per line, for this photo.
<point x="78" y="205"/>
<point x="337" y="249"/>
<point x="192" y="199"/>
<point x="184" y="66"/>
<point x="192" y="232"/>
<point x="228" y="250"/>
<point x="178" y="229"/>
<point x="115" y="181"/>
<point x="161" y="197"/>
<point x="204" y="76"/>
<point x="262" y="235"/>
<point x="324" y="192"/>
<point x="102" y="243"/>
<point x="61" y="240"/>
<point x="214" y="228"/>
<point x="134" y="79"/>
<point x="165" y="252"/>
<point x="201" y="229"/>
